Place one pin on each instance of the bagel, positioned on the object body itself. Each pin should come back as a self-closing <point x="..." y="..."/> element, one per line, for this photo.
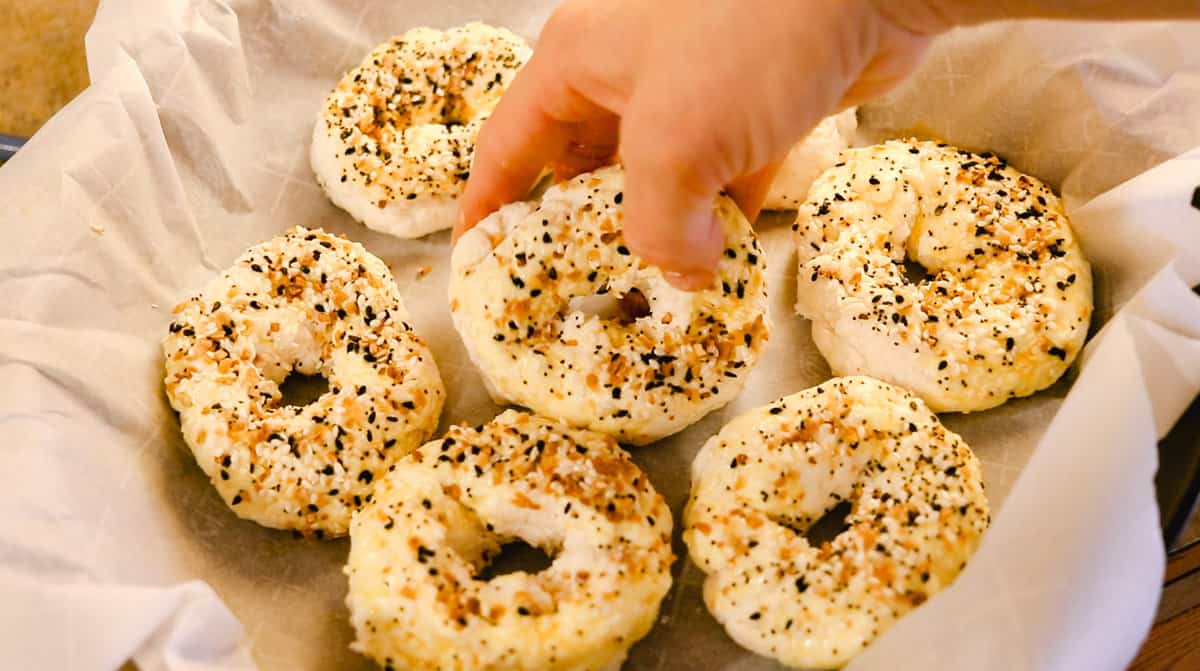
<point x="917" y="513"/>
<point x="312" y="303"/>
<point x="394" y="140"/>
<point x="515" y="280"/>
<point x="1006" y="298"/>
<point x="416" y="598"/>
<point x="809" y="158"/>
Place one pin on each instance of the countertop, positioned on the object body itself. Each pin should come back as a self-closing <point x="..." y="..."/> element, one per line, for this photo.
<point x="42" y="65"/>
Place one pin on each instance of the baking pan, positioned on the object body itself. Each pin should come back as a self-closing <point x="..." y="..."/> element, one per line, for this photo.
<point x="1178" y="477"/>
<point x="9" y="144"/>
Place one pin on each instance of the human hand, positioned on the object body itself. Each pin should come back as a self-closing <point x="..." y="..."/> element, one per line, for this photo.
<point x="697" y="97"/>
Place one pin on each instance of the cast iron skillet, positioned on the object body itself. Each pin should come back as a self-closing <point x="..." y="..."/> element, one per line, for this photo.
<point x="1178" y="477"/>
<point x="9" y="146"/>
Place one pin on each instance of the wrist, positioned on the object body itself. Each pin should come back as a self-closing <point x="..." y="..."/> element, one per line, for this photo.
<point x="929" y="17"/>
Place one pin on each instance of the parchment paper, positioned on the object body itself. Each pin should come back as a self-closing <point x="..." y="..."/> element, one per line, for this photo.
<point x="191" y="145"/>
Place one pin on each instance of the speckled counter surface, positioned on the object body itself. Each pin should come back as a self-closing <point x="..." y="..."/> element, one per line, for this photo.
<point x="42" y="64"/>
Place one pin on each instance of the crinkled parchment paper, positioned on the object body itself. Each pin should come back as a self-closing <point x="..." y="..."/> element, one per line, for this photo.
<point x="192" y="145"/>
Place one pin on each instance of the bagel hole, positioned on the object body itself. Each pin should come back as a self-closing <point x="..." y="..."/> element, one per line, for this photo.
<point x="626" y="308"/>
<point x="299" y="389"/>
<point x="914" y="272"/>
<point x="632" y="306"/>
<point x="829" y="526"/>
<point x="455" y="111"/>
<point x="516" y="556"/>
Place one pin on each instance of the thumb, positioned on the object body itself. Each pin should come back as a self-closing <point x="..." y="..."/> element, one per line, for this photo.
<point x="671" y="183"/>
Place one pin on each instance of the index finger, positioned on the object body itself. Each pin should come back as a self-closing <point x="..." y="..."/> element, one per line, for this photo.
<point x="528" y="130"/>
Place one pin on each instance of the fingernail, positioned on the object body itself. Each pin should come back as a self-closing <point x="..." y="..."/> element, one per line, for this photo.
<point x="689" y="281"/>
